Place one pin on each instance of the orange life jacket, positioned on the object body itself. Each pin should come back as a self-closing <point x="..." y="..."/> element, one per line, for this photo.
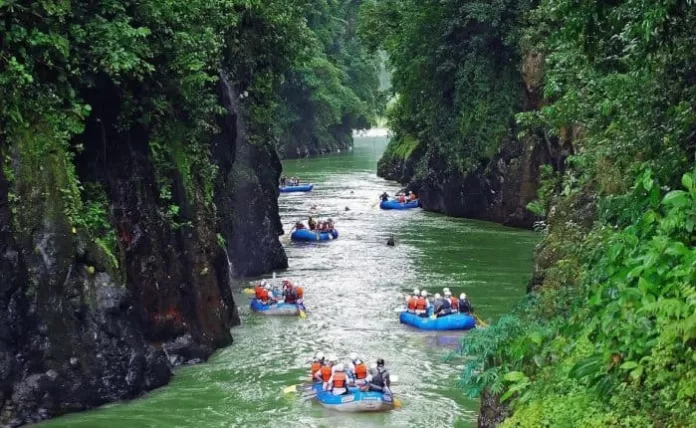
<point x="420" y="304"/>
<point x="258" y="291"/>
<point x="454" y="302"/>
<point x="360" y="370"/>
<point x="316" y="366"/>
<point x="339" y="380"/>
<point x="412" y="303"/>
<point x="299" y="292"/>
<point x="325" y="373"/>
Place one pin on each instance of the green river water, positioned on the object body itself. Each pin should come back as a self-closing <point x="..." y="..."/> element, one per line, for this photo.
<point x="352" y="287"/>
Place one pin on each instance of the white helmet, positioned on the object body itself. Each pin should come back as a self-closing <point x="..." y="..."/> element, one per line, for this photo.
<point x="267" y="286"/>
<point x="445" y="290"/>
<point x="437" y="296"/>
<point x="333" y="358"/>
<point x="462" y="296"/>
<point x="319" y="355"/>
<point x="424" y="293"/>
<point x="373" y="366"/>
<point x="416" y="292"/>
<point x="448" y="293"/>
<point x="353" y="356"/>
<point x="339" y="367"/>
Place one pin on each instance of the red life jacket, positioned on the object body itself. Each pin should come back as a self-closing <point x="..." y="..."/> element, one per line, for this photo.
<point x="360" y="370"/>
<point x="325" y="373"/>
<point x="258" y="292"/>
<point x="316" y="366"/>
<point x="339" y="380"/>
<point x="412" y="303"/>
<point x="421" y="304"/>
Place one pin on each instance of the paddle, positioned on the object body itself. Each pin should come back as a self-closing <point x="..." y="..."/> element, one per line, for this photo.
<point x="290" y="389"/>
<point x="303" y="315"/>
<point x="293" y="388"/>
<point x="483" y="324"/>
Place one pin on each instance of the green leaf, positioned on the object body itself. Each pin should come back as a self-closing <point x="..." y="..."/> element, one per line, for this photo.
<point x="676" y="198"/>
<point x="687" y="181"/>
<point x="514" y="376"/>
<point x="536" y="338"/>
<point x="629" y="365"/>
<point x="588" y="366"/>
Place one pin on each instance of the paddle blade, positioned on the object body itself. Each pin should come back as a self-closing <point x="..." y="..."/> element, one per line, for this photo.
<point x="433" y="317"/>
<point x="483" y="324"/>
<point x="303" y="315"/>
<point x="248" y="291"/>
<point x="290" y="389"/>
<point x="397" y="403"/>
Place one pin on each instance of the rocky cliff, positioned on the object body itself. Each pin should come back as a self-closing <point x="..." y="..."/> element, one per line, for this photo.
<point x="496" y="189"/>
<point x="90" y="318"/>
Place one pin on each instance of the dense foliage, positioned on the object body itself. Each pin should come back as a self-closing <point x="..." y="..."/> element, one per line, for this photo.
<point x="300" y="73"/>
<point x="608" y="335"/>
<point x="455" y="75"/>
<point x="336" y="88"/>
<point x="617" y="298"/>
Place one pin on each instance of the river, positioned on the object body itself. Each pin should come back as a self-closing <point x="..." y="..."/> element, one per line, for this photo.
<point x="352" y="287"/>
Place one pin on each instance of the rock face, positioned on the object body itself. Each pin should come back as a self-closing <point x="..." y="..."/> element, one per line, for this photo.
<point x="303" y="144"/>
<point x="500" y="188"/>
<point x="247" y="194"/>
<point x="82" y="324"/>
<point x="493" y="412"/>
<point x="70" y="337"/>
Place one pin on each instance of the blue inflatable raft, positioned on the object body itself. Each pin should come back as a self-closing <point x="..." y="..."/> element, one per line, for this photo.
<point x="448" y="322"/>
<point x="355" y="400"/>
<point x="277" y="309"/>
<point x="396" y="205"/>
<point x="310" y="235"/>
<point x="298" y="188"/>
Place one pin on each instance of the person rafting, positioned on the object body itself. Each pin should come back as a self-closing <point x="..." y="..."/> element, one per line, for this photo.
<point x="412" y="301"/>
<point x="299" y="225"/>
<point x="379" y="380"/>
<point x="283" y="180"/>
<point x="384" y="197"/>
<point x="261" y="292"/>
<point x="464" y="305"/>
<point x="454" y="303"/>
<point x="412" y="196"/>
<point x="329" y="225"/>
<point x="445" y="306"/>
<point x="422" y="304"/>
<point x="317" y="364"/>
<point x="338" y="382"/>
<point x="325" y="372"/>
<point x="358" y="369"/>
<point x="390" y="241"/>
<point x="293" y="293"/>
<point x="437" y="303"/>
<point x="312" y="223"/>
